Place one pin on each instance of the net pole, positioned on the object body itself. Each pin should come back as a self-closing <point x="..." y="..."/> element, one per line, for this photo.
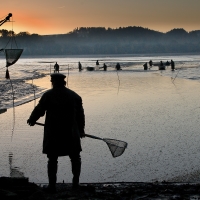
<point x="94" y="137"/>
<point x="87" y="135"/>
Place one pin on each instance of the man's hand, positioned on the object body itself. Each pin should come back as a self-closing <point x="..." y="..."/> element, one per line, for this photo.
<point x="82" y="135"/>
<point x="31" y="123"/>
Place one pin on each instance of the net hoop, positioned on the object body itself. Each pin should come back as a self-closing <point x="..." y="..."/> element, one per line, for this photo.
<point x="12" y="56"/>
<point x="117" y="147"/>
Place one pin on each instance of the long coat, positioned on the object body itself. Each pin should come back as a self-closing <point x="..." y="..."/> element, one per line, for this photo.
<point x="64" y="121"/>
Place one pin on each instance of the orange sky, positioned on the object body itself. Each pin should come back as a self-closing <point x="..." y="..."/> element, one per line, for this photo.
<point x="62" y="16"/>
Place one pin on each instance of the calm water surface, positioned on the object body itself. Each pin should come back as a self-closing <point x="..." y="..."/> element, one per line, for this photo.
<point x="158" y="117"/>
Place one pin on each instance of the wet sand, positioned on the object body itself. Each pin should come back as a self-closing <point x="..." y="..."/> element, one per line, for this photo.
<point x="22" y="189"/>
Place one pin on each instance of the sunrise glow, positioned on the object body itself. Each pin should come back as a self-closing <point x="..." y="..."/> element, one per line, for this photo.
<point x="62" y="16"/>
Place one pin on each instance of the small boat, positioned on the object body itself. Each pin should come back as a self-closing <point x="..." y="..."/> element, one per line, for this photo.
<point x="90" y="68"/>
<point x="3" y="110"/>
<point x="161" y="67"/>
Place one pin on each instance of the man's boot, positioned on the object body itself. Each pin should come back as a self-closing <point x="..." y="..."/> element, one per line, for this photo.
<point x="52" y="175"/>
<point x="76" y="170"/>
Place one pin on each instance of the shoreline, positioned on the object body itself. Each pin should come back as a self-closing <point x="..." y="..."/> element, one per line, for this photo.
<point x="110" y="55"/>
<point x="29" y="98"/>
<point x="21" y="188"/>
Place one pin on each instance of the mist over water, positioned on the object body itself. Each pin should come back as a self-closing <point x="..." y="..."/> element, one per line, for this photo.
<point x="156" y="112"/>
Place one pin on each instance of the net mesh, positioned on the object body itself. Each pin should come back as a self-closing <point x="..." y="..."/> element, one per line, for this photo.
<point x="116" y="147"/>
<point x="12" y="55"/>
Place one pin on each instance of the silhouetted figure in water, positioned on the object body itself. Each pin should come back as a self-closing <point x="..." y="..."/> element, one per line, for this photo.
<point x="118" y="67"/>
<point x="104" y="67"/>
<point x="64" y="126"/>
<point x="167" y="63"/>
<point x="161" y="66"/>
<point x="56" y="68"/>
<point x="97" y="62"/>
<point x="172" y="65"/>
<point x="150" y="63"/>
<point x="145" y="66"/>
<point x="79" y="66"/>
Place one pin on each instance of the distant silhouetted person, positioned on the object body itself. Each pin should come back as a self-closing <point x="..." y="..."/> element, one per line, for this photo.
<point x="79" y="66"/>
<point x="118" y="67"/>
<point x="145" y="66"/>
<point x="64" y="126"/>
<point x="56" y="68"/>
<point x="104" y="67"/>
<point x="97" y="62"/>
<point x="172" y="65"/>
<point x="161" y="67"/>
<point x="167" y="63"/>
<point x="150" y="63"/>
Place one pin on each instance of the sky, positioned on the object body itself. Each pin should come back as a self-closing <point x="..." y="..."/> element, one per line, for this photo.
<point x="47" y="17"/>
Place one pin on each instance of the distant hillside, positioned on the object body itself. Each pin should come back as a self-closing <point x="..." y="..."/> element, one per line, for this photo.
<point x="90" y="40"/>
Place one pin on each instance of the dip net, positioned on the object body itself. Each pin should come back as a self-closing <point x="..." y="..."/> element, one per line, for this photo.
<point x="12" y="56"/>
<point x="116" y="147"/>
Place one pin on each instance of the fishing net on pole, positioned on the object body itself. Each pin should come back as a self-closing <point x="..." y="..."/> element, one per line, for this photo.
<point x="116" y="147"/>
<point x="12" y="56"/>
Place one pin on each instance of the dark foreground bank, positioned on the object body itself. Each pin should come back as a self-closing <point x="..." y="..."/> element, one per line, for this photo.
<point x="21" y="188"/>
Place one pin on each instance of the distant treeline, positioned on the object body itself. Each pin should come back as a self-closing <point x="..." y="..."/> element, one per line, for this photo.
<point x="90" y="40"/>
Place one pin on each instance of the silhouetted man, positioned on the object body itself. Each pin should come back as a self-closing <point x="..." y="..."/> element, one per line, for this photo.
<point x="167" y="63"/>
<point x="118" y="67"/>
<point x="161" y="66"/>
<point x="145" y="66"/>
<point x="56" y="68"/>
<point x="79" y="66"/>
<point x="150" y="63"/>
<point x="172" y="65"/>
<point x="64" y="126"/>
<point x="104" y="67"/>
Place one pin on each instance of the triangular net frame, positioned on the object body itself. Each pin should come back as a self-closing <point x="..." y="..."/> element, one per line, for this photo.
<point x="12" y="56"/>
<point x="116" y="147"/>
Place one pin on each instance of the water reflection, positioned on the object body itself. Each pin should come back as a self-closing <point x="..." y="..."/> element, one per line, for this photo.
<point x="14" y="171"/>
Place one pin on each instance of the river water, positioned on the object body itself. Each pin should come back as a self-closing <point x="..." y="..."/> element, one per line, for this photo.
<point x="156" y="112"/>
